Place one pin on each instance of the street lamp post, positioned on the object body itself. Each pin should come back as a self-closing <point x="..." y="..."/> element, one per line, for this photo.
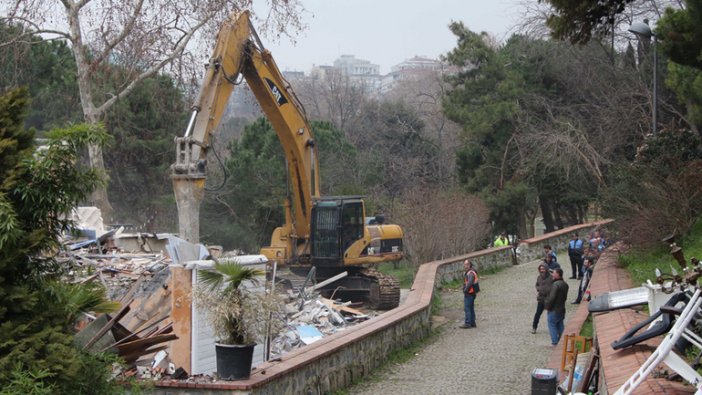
<point x="642" y="29"/>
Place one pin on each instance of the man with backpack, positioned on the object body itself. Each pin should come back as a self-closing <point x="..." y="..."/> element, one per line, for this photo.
<point x="471" y="287"/>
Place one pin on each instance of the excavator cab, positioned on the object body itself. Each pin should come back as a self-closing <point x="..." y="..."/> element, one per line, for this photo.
<point x="337" y="223"/>
<point x="342" y="235"/>
<point x="342" y="238"/>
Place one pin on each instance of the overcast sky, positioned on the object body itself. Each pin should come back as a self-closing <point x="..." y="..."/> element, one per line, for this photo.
<point x="386" y="32"/>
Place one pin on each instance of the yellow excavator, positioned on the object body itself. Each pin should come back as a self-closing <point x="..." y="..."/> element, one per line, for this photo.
<point x="330" y="234"/>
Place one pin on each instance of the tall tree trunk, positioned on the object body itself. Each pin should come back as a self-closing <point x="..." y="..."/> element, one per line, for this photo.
<point x="547" y="214"/>
<point x="557" y="218"/>
<point x="99" y="195"/>
<point x="529" y="218"/>
<point x="522" y="225"/>
<point x="91" y="114"/>
<point x="572" y="214"/>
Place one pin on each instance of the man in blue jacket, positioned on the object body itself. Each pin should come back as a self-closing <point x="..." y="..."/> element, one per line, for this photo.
<point x="575" y="253"/>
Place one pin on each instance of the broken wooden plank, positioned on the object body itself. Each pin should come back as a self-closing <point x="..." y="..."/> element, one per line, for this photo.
<point x="134" y="335"/>
<point x="143" y="344"/>
<point x="166" y="329"/>
<point x="125" y="256"/>
<point x="132" y="290"/>
<point x="134" y="356"/>
<point x="121" y="313"/>
<point x="131" y="351"/>
<point x="346" y="309"/>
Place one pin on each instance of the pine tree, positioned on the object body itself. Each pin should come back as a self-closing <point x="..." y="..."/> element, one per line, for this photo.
<point x="37" y="187"/>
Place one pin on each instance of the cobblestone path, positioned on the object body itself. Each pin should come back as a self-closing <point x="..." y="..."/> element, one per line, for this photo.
<point x="497" y="357"/>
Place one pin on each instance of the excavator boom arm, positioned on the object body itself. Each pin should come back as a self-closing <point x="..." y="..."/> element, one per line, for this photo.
<point x="238" y="53"/>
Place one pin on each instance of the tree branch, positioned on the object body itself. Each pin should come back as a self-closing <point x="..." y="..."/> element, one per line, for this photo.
<point x="125" y="32"/>
<point x="33" y="25"/>
<point x="183" y="42"/>
<point x="81" y="4"/>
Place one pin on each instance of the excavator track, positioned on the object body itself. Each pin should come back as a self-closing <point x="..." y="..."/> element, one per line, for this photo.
<point x="384" y="290"/>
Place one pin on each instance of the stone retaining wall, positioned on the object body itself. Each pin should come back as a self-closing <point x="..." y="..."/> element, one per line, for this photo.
<point x="531" y="249"/>
<point x="337" y="361"/>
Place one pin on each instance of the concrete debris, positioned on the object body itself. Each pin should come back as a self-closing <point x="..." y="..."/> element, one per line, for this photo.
<point x="318" y="318"/>
<point x="88" y="218"/>
<point x="134" y="269"/>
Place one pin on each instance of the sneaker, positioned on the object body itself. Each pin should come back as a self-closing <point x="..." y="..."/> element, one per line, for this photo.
<point x="572" y="277"/>
<point x="533" y="331"/>
<point x="464" y="326"/>
<point x="574" y="302"/>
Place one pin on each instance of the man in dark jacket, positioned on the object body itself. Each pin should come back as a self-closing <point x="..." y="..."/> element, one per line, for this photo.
<point x="550" y="258"/>
<point x="555" y="305"/>
<point x="585" y="280"/>
<point x="543" y="288"/>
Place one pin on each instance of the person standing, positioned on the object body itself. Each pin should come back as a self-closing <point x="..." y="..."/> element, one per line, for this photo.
<point x="543" y="288"/>
<point x="555" y="305"/>
<point x="501" y="240"/>
<point x="584" y="281"/>
<point x="592" y="254"/>
<point x="550" y="258"/>
<point x="471" y="287"/>
<point x="575" y="253"/>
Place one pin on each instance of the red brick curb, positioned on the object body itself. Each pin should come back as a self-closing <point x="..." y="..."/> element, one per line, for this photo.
<point x="617" y="366"/>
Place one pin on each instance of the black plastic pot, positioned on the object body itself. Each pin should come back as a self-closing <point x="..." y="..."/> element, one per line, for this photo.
<point x="234" y="361"/>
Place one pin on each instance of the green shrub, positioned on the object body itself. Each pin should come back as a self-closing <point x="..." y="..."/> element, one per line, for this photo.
<point x="659" y="192"/>
<point x="37" y="187"/>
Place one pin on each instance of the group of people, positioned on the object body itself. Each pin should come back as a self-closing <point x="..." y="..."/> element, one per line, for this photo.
<point x="551" y="288"/>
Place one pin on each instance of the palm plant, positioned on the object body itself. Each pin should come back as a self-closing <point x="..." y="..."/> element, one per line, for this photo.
<point x="234" y="313"/>
<point x="74" y="299"/>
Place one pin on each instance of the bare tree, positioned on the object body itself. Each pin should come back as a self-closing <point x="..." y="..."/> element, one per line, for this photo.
<point x="423" y="93"/>
<point x="439" y="224"/>
<point x="535" y="14"/>
<point x="331" y="95"/>
<point x="143" y="37"/>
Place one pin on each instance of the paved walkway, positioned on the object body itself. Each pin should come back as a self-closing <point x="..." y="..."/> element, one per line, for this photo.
<point x="497" y="357"/>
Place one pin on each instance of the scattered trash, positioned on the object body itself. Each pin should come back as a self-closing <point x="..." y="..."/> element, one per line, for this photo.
<point x="308" y="334"/>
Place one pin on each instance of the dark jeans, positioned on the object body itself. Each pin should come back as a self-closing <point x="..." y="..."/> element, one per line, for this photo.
<point x="582" y="286"/>
<point x="576" y="264"/>
<point x="537" y="315"/>
<point x="555" y="326"/>
<point x="469" y="307"/>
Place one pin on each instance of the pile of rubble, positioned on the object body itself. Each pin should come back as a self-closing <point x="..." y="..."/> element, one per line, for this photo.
<point x="134" y="270"/>
<point x="313" y="319"/>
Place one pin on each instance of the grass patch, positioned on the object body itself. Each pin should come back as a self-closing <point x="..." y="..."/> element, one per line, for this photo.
<point x="491" y="270"/>
<point x="404" y="272"/>
<point x="456" y="283"/>
<point x="642" y="263"/>
<point x="587" y="328"/>
<point x="436" y="303"/>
